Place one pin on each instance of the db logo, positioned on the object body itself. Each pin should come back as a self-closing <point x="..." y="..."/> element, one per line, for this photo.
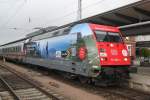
<point x="114" y="52"/>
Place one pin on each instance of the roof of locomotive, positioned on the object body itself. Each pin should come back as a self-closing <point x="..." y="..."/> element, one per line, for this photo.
<point x="19" y="40"/>
<point x="57" y="28"/>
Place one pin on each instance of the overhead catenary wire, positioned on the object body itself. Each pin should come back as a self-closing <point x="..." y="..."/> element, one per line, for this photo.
<point x="58" y="18"/>
<point x="74" y="12"/>
<point x="12" y="7"/>
<point x="14" y="14"/>
<point x="29" y="19"/>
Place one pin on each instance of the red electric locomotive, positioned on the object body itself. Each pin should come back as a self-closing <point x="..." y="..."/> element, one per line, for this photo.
<point x="91" y="52"/>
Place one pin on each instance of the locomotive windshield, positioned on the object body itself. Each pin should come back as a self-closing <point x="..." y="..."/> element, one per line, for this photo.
<point x="103" y="36"/>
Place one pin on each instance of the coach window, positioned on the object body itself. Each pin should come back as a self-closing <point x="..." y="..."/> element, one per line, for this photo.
<point x="8" y="49"/>
<point x="18" y="49"/>
<point x="13" y="49"/>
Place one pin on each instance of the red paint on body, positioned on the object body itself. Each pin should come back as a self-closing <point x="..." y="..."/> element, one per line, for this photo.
<point x="104" y="28"/>
<point x="113" y="54"/>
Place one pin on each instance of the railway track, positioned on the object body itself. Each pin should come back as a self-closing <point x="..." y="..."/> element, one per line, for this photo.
<point x="120" y="93"/>
<point x="110" y="93"/>
<point x="113" y="93"/>
<point x="16" y="86"/>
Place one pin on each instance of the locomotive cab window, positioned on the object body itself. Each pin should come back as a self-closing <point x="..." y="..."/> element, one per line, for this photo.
<point x="114" y="37"/>
<point x="103" y="36"/>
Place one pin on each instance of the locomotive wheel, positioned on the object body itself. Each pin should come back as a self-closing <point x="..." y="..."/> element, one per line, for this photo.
<point x="83" y="79"/>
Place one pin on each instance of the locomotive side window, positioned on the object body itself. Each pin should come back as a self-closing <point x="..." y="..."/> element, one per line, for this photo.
<point x="102" y="36"/>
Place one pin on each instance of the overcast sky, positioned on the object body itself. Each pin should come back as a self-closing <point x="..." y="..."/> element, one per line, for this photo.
<point x="25" y="15"/>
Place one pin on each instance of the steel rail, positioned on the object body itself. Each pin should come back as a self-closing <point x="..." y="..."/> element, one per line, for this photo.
<point x="25" y="78"/>
<point x="16" y="97"/>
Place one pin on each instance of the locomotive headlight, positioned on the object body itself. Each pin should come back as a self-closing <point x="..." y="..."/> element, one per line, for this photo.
<point x="124" y="52"/>
<point x="125" y="59"/>
<point x="103" y="59"/>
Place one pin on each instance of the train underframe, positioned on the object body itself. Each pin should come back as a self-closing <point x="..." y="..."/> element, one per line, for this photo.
<point x="109" y="76"/>
<point x="112" y="75"/>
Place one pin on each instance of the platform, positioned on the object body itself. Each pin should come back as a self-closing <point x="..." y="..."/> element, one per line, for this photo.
<point x="141" y="79"/>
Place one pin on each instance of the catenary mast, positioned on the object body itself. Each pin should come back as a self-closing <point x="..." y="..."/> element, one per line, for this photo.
<point x="79" y="13"/>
